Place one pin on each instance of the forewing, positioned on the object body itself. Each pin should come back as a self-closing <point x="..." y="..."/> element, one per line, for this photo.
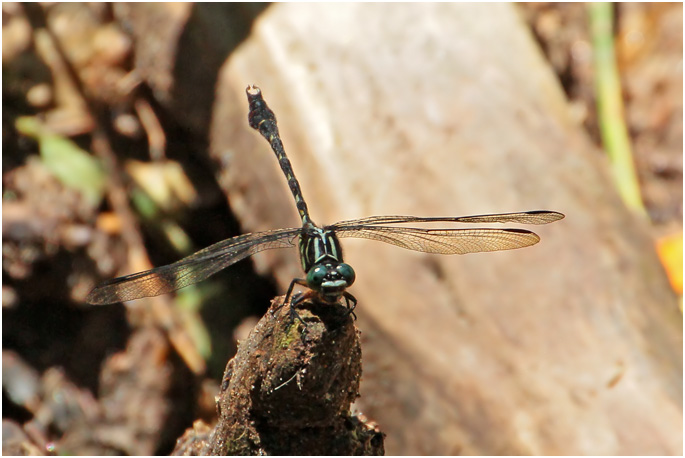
<point x="191" y="269"/>
<point x="444" y="241"/>
<point x="529" y="217"/>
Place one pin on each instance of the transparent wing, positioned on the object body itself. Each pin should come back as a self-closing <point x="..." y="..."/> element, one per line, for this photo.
<point x="443" y="241"/>
<point x="191" y="269"/>
<point x="529" y="217"/>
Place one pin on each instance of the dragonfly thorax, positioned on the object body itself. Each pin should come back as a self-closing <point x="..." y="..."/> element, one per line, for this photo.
<point x="318" y="246"/>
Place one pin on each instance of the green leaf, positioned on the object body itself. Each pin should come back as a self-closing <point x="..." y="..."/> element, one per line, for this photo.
<point x="72" y="166"/>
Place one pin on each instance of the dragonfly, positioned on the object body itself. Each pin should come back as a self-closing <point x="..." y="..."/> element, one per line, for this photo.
<point x="327" y="275"/>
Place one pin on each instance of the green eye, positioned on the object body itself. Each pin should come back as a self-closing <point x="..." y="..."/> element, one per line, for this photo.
<point x="346" y="272"/>
<point x="315" y="276"/>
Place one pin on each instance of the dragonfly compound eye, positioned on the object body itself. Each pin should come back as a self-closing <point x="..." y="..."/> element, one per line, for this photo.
<point x="315" y="276"/>
<point x="346" y="272"/>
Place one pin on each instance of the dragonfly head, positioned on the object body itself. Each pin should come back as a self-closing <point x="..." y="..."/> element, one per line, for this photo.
<point x="330" y="279"/>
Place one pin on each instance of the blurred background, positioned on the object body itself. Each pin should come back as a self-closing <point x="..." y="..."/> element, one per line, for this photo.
<point x="126" y="146"/>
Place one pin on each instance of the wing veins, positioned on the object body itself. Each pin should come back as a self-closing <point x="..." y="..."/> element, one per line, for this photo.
<point x="528" y="217"/>
<point x="191" y="269"/>
<point x="444" y="241"/>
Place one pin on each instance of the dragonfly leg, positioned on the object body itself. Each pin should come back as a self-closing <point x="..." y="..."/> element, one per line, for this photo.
<point x="297" y="298"/>
<point x="350" y="308"/>
<point x="294" y="300"/>
<point x="299" y="281"/>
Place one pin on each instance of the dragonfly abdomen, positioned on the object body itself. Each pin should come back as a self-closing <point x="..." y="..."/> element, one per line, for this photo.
<point x="263" y="119"/>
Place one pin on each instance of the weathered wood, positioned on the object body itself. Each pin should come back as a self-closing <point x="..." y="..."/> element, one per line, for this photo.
<point x="573" y="346"/>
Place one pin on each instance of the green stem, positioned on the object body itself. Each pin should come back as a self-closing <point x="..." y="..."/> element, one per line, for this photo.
<point x="610" y="107"/>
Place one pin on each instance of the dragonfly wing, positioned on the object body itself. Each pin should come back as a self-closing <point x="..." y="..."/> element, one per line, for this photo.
<point x="191" y="269"/>
<point x="529" y="217"/>
<point x="444" y="241"/>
